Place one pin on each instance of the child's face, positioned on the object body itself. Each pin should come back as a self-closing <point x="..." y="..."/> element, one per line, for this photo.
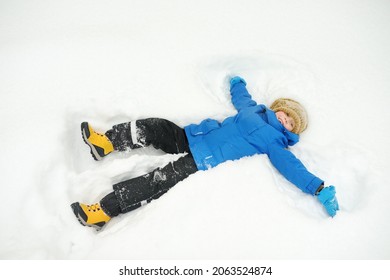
<point x="285" y="120"/>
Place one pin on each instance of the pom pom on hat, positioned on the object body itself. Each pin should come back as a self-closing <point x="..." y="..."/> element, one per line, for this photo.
<point x="295" y="110"/>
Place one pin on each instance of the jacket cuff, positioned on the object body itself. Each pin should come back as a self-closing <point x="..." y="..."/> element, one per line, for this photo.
<point x="313" y="186"/>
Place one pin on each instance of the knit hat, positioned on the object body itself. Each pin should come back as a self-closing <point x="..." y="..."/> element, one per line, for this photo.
<point x="295" y="110"/>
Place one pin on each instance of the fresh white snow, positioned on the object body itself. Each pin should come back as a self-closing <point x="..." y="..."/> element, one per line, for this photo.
<point x="106" y="62"/>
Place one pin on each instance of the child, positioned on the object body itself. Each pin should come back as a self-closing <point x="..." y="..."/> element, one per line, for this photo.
<point x="255" y="129"/>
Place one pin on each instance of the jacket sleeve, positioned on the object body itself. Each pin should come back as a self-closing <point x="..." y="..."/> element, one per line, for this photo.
<point x="293" y="169"/>
<point x="240" y="95"/>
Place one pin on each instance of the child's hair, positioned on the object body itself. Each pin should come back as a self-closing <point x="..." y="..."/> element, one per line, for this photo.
<point x="295" y="110"/>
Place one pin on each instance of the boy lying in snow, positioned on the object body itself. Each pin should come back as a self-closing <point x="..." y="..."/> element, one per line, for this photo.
<point x="255" y="129"/>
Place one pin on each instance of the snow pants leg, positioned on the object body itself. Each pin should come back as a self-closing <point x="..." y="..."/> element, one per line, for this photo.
<point x="162" y="134"/>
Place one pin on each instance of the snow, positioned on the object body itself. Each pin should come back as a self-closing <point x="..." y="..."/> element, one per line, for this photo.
<point x="106" y="62"/>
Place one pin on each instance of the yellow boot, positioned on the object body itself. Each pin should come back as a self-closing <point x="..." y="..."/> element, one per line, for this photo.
<point x="90" y="215"/>
<point x="99" y="143"/>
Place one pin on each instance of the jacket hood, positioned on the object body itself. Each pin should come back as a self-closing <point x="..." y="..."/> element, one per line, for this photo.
<point x="292" y="138"/>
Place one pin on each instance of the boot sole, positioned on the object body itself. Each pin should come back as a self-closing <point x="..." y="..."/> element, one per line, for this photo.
<point x="85" y="134"/>
<point x="77" y="210"/>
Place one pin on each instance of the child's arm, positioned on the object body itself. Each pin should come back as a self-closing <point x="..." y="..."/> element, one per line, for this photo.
<point x="293" y="170"/>
<point x="240" y="95"/>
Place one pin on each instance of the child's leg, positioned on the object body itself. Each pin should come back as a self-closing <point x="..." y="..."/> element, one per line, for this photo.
<point x="161" y="134"/>
<point x="133" y="193"/>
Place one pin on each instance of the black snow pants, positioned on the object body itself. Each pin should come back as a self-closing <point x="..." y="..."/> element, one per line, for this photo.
<point x="161" y="134"/>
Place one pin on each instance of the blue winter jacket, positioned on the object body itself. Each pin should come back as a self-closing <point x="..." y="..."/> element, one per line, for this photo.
<point x="253" y="130"/>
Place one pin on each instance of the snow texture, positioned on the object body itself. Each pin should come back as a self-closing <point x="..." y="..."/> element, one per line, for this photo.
<point x="107" y="62"/>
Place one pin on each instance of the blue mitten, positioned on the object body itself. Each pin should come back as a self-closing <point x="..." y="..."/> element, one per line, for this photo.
<point x="328" y="198"/>
<point x="236" y="80"/>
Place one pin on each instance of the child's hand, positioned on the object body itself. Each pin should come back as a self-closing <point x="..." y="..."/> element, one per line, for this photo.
<point x="236" y="80"/>
<point x="327" y="197"/>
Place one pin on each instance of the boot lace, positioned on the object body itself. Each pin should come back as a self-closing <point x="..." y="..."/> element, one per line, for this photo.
<point x="94" y="207"/>
<point x="93" y="131"/>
